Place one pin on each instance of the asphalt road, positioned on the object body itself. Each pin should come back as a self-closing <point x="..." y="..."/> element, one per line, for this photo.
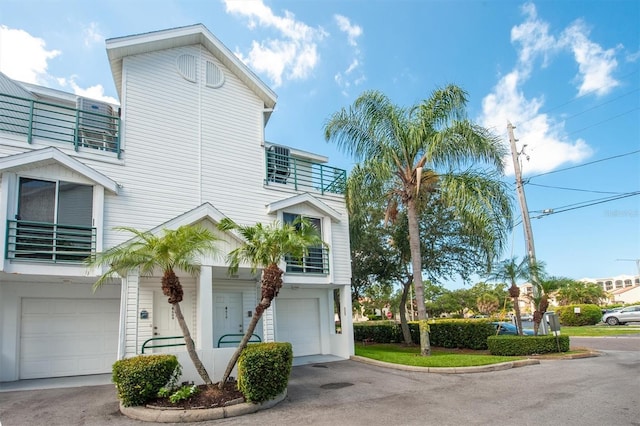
<point x="603" y="390"/>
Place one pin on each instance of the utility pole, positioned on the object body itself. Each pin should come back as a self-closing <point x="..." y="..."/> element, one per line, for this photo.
<point x="526" y="221"/>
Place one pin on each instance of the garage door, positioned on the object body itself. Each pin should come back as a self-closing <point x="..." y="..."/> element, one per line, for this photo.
<point x="68" y="337"/>
<point x="299" y="323"/>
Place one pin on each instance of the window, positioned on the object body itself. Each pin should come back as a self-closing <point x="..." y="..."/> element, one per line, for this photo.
<point x="53" y="222"/>
<point x="316" y="261"/>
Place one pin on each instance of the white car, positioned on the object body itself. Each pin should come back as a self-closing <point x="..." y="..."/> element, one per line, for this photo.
<point x="623" y="316"/>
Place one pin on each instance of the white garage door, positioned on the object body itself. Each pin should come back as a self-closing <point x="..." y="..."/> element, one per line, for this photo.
<point x="68" y="337"/>
<point x="299" y="323"/>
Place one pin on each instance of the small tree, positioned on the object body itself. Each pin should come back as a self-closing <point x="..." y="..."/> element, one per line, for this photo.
<point x="175" y="249"/>
<point x="264" y="248"/>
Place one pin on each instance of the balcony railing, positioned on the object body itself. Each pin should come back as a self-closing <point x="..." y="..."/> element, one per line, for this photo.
<point x="316" y="262"/>
<point x="284" y="169"/>
<point x="49" y="242"/>
<point x="59" y="123"/>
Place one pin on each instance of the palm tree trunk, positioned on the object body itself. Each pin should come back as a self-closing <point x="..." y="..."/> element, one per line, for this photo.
<point x="191" y="348"/>
<point x="265" y="303"/>
<point x="516" y="307"/>
<point x="416" y="266"/>
<point x="406" y="334"/>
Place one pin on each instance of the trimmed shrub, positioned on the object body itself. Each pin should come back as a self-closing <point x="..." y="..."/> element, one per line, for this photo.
<point x="378" y="331"/>
<point x="589" y="315"/>
<point x="463" y="334"/>
<point x="263" y="370"/>
<point x="526" y="345"/>
<point x="139" y="379"/>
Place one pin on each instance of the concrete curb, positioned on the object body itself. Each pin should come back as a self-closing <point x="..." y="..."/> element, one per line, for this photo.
<point x="188" y="416"/>
<point x="449" y="370"/>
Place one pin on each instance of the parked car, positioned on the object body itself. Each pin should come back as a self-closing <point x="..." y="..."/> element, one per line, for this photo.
<point x="623" y="316"/>
<point x="506" y="328"/>
<point x="526" y="317"/>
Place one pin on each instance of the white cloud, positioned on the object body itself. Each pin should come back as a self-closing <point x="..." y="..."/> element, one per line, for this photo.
<point x="596" y="65"/>
<point x="93" y="92"/>
<point x="353" y="31"/>
<point x="352" y="75"/>
<point x="92" y="35"/>
<point x="24" y="57"/>
<point x="548" y="144"/>
<point x="293" y="54"/>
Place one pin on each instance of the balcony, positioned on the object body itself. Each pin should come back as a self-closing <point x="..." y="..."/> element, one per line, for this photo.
<point x="300" y="174"/>
<point x="49" y="242"/>
<point x="316" y="262"/>
<point x="94" y="126"/>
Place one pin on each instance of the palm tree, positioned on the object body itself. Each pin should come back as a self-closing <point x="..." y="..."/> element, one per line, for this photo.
<point x="426" y="148"/>
<point x="265" y="246"/>
<point x="510" y="271"/>
<point x="174" y="249"/>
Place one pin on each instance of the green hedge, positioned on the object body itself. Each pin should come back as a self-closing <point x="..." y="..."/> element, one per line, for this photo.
<point x="464" y="334"/>
<point x="589" y="315"/>
<point x="526" y="345"/>
<point x="263" y="370"/>
<point x="139" y="379"/>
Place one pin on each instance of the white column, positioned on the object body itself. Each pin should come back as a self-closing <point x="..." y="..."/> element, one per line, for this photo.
<point x="346" y="319"/>
<point x="205" y="308"/>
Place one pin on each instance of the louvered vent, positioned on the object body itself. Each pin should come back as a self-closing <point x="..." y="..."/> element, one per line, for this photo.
<point x="186" y="65"/>
<point x="215" y="76"/>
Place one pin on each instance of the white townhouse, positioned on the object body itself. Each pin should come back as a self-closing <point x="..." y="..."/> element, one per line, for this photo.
<point x="185" y="146"/>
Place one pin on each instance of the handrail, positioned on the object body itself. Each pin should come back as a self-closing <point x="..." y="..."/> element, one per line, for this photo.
<point x="59" y="123"/>
<point x="144" y="345"/>
<point x="315" y="262"/>
<point x="251" y="340"/>
<point x="49" y="242"/>
<point x="303" y="174"/>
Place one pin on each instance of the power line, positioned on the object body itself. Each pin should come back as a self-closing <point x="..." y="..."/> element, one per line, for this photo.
<point x="601" y="104"/>
<point x="575" y="206"/>
<point x="584" y="164"/>
<point x="574" y="189"/>
<point x="603" y="121"/>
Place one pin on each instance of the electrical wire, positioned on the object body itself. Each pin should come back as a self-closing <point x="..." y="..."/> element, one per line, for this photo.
<point x="584" y="164"/>
<point x="581" y="205"/>
<point x="573" y="189"/>
<point x="603" y="121"/>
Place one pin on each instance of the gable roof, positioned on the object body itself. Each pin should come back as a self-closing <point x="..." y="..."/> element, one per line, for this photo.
<point x="305" y="199"/>
<point x="51" y="155"/>
<point x="10" y="87"/>
<point x="121" y="47"/>
<point x="203" y="211"/>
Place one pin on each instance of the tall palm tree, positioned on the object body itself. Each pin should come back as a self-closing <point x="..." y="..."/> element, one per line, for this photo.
<point x="510" y="271"/>
<point x="428" y="147"/>
<point x="180" y="248"/>
<point x="264" y="248"/>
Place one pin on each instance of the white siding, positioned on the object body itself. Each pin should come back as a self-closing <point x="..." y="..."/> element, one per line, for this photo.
<point x="131" y="316"/>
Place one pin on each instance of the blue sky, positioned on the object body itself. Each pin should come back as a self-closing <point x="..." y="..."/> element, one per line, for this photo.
<point x="566" y="74"/>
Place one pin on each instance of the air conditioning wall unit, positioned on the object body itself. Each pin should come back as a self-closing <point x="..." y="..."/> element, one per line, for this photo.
<point x="95" y="116"/>
<point x="278" y="169"/>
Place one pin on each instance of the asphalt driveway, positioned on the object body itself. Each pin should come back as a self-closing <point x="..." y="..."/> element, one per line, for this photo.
<point x="590" y="391"/>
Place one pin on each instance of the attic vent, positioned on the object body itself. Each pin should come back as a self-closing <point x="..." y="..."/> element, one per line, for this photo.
<point x="186" y="65"/>
<point x="215" y="76"/>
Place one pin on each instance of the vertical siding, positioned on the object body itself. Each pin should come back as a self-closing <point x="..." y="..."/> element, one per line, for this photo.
<point x="131" y="322"/>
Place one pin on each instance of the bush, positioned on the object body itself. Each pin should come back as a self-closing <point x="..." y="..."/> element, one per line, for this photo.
<point x="589" y="315"/>
<point x="263" y="370"/>
<point x="378" y="331"/>
<point x="139" y="379"/>
<point x="526" y="345"/>
<point x="464" y="334"/>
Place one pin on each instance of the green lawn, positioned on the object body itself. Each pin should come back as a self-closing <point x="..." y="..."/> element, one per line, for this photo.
<point x="599" y="330"/>
<point x="398" y="354"/>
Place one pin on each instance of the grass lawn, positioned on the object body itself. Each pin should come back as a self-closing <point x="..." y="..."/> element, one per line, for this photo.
<point x="599" y="330"/>
<point x="399" y="354"/>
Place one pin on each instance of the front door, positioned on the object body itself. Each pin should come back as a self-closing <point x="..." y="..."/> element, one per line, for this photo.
<point x="227" y="318"/>
<point x="165" y="323"/>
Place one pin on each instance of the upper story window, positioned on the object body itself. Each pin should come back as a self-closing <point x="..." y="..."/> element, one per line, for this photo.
<point x="53" y="222"/>
<point x="317" y="259"/>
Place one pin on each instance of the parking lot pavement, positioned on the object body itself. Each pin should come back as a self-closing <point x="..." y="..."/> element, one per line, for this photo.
<point x="568" y="392"/>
